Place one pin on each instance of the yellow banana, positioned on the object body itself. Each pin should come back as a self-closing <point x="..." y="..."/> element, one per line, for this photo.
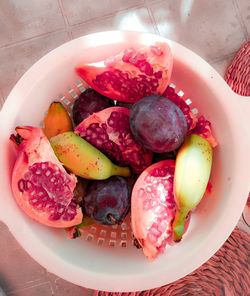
<point x="83" y="159"/>
<point x="192" y="172"/>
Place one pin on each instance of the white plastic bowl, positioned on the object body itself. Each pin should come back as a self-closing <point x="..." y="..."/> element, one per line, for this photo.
<point x="126" y="269"/>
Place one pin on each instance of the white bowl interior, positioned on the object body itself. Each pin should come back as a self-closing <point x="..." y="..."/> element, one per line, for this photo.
<point x="116" y="268"/>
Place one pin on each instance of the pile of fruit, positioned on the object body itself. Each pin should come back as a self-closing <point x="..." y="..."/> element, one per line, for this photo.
<point x="131" y="144"/>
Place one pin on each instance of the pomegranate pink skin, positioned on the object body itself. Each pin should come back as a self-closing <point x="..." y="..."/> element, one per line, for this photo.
<point x="132" y="74"/>
<point x="153" y="207"/>
<point x="109" y="131"/>
<point x="34" y="153"/>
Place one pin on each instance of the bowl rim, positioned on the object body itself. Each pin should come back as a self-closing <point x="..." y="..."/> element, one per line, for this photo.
<point x="114" y="283"/>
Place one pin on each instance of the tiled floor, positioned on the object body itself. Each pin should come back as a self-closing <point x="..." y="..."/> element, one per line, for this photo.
<point x="29" y="29"/>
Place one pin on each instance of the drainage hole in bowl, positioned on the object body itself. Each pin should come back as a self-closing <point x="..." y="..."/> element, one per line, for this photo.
<point x="103" y="235"/>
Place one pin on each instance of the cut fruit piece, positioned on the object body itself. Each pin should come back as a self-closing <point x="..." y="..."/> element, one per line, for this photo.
<point x="41" y="186"/>
<point x="131" y="74"/>
<point x="153" y="207"/>
<point x="109" y="131"/>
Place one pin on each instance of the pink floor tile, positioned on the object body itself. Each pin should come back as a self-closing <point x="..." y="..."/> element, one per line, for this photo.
<point x="41" y="289"/>
<point x="78" y="11"/>
<point x="17" y="269"/>
<point x="24" y="19"/>
<point x="221" y="66"/>
<point x="20" y="275"/>
<point x="244" y="9"/>
<point x="1" y="100"/>
<point x="64" y="288"/>
<point x="133" y="20"/>
<point x="15" y="60"/>
<point x="210" y="28"/>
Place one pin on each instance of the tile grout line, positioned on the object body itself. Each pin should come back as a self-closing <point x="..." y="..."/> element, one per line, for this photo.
<point x="152" y="19"/>
<point x="105" y="16"/>
<point x="156" y="1"/>
<point x="52" y="282"/>
<point x="32" y="38"/>
<point x="224" y="57"/>
<point x="240" y="19"/>
<point x="30" y="284"/>
<point x="65" y="28"/>
<point x="65" y="19"/>
<point x="11" y="292"/>
<point x="215" y="60"/>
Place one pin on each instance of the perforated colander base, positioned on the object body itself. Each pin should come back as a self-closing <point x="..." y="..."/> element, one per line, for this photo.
<point x="114" y="236"/>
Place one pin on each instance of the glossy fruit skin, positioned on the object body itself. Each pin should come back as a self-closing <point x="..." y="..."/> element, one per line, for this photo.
<point x="196" y="125"/>
<point x="41" y="186"/>
<point x="132" y="74"/>
<point x="192" y="173"/>
<point x="158" y="124"/>
<point x="109" y="131"/>
<point x="57" y="120"/>
<point x="153" y="207"/>
<point x="107" y="202"/>
<point x="89" y="102"/>
<point x="83" y="159"/>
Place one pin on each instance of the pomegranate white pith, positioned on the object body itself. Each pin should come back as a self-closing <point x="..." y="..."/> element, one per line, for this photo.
<point x="41" y="186"/>
<point x="153" y="207"/>
<point x="131" y="74"/>
<point x="109" y="131"/>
